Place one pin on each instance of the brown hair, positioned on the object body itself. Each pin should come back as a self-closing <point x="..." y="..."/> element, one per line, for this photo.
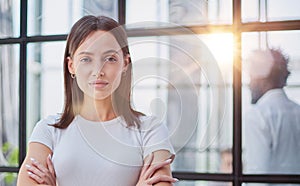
<point x="73" y="95"/>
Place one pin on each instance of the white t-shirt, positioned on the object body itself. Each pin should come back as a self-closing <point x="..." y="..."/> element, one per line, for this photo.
<point x="101" y="153"/>
<point x="272" y="135"/>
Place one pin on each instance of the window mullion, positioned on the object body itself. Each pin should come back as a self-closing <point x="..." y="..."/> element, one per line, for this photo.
<point x="22" y="85"/>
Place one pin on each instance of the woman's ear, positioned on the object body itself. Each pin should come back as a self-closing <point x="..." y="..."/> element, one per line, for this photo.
<point x="126" y="62"/>
<point x="71" y="65"/>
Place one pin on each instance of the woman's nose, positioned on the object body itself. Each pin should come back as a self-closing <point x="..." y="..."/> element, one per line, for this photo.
<point x="98" y="70"/>
<point x="98" y="74"/>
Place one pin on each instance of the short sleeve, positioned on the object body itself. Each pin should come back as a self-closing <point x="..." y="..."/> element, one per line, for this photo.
<point x="44" y="133"/>
<point x="155" y="136"/>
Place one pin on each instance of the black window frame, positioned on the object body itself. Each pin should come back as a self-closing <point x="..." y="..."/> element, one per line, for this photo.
<point x="237" y="28"/>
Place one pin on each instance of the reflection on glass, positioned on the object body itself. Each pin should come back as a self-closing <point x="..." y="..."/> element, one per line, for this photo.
<point x="270" y="10"/>
<point x="272" y="122"/>
<point x="178" y="79"/>
<point x="44" y="81"/>
<point x="43" y="16"/>
<point x="179" y="12"/>
<point x="9" y="104"/>
<point x="9" y="18"/>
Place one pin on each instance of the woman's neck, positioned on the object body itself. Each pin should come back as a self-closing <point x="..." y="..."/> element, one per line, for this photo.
<point x="97" y="110"/>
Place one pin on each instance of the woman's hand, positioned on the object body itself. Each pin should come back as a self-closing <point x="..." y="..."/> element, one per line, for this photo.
<point x="146" y="176"/>
<point x="40" y="173"/>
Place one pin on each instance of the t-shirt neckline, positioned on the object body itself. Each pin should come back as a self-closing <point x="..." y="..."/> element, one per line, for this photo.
<point x="112" y="121"/>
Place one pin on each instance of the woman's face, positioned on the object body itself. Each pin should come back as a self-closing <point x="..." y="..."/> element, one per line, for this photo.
<point x="98" y="64"/>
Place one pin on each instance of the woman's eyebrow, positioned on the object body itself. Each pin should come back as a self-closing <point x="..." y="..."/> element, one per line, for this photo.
<point x="104" y="53"/>
<point x="85" y="53"/>
<point x="111" y="51"/>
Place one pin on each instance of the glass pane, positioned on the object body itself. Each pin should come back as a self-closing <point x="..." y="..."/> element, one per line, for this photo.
<point x="180" y="12"/>
<point x="9" y="105"/>
<point x="44" y="81"/>
<point x="271" y="124"/>
<point x="178" y="79"/>
<point x="202" y="183"/>
<point x="270" y="184"/>
<point x="270" y="10"/>
<point x="43" y="16"/>
<point x="219" y="11"/>
<point x="250" y="10"/>
<point x="9" y="18"/>
<point x="8" y="179"/>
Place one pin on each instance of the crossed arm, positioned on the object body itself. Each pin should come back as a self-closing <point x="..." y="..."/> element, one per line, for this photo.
<point x="156" y="170"/>
<point x="37" y="168"/>
<point x="39" y="153"/>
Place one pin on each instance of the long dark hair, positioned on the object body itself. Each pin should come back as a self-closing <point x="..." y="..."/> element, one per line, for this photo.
<point x="73" y="95"/>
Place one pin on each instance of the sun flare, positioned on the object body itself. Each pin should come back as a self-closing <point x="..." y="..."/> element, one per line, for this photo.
<point x="221" y="47"/>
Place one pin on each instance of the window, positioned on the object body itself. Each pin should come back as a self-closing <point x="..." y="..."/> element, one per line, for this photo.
<point x="188" y="60"/>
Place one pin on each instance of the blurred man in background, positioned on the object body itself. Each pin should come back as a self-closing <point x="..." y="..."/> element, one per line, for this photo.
<point x="272" y="125"/>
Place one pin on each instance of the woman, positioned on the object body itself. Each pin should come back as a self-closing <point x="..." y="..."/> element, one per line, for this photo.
<point x="99" y="139"/>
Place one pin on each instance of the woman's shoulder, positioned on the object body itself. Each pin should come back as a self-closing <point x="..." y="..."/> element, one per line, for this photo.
<point x="48" y="122"/>
<point x="150" y="122"/>
<point x="44" y="132"/>
<point x="51" y="119"/>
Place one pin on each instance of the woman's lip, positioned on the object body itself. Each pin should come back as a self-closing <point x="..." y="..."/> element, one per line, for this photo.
<point x="99" y="83"/>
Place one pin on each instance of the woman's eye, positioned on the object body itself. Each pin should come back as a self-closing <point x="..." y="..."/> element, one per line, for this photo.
<point x="111" y="59"/>
<point x="85" y="60"/>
